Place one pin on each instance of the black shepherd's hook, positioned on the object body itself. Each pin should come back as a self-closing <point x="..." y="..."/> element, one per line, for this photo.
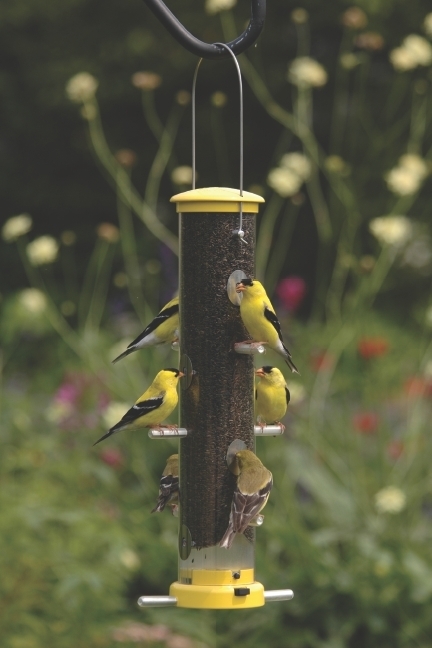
<point x="206" y="50"/>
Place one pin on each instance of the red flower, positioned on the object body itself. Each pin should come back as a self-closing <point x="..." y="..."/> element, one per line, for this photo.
<point x="291" y="292"/>
<point x="365" y="422"/>
<point x="112" y="457"/>
<point x="372" y="347"/>
<point x="417" y="386"/>
<point x="395" y="449"/>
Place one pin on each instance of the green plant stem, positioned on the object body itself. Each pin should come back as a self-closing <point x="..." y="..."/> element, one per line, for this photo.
<point x="104" y="254"/>
<point x="122" y="181"/>
<point x="58" y="322"/>
<point x="303" y="115"/>
<point x="265" y="234"/>
<point x="130" y="256"/>
<point x="151" y="115"/>
<point x="162" y="157"/>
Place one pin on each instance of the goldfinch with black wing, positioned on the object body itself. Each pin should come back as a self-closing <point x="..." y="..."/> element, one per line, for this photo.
<point x="260" y="319"/>
<point x="271" y="395"/>
<point x="254" y="484"/>
<point x="169" y="485"/>
<point x="153" y="407"/>
<point x="162" y="329"/>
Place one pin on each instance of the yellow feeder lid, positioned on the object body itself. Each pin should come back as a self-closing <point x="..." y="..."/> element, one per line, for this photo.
<point x="217" y="199"/>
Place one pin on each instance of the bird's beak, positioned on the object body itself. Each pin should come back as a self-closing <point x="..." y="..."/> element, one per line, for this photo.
<point x="240" y="288"/>
<point x="181" y="374"/>
<point x="260" y="373"/>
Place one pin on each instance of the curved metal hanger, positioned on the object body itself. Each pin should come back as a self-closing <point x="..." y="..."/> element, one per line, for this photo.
<point x="214" y="50"/>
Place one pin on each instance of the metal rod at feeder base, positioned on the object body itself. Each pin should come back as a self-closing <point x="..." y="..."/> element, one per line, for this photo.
<point x="157" y="601"/>
<point x="278" y="595"/>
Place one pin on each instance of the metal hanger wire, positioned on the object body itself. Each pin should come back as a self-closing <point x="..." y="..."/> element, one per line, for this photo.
<point x="239" y="231"/>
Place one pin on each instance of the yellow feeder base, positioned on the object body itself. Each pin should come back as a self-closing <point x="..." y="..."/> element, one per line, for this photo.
<point x="219" y="590"/>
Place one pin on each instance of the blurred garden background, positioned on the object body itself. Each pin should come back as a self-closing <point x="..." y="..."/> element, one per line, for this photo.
<point x="95" y="137"/>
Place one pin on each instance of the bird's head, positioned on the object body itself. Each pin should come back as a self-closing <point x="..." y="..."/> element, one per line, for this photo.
<point x="246" y="459"/>
<point x="168" y="377"/>
<point x="249" y="286"/>
<point x="270" y="374"/>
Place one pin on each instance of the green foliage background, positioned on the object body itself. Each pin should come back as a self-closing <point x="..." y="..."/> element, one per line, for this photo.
<point x="77" y="542"/>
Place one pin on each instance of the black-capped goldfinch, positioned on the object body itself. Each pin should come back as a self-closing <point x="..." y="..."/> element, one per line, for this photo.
<point x="260" y="320"/>
<point x="157" y="402"/>
<point x="169" y="485"/>
<point x="254" y="484"/>
<point x="163" y="329"/>
<point x="271" y="395"/>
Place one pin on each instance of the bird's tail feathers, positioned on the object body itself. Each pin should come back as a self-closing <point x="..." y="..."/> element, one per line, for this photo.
<point x="228" y="538"/>
<point x="160" y="505"/>
<point x="292" y="366"/>
<point x="124" y="354"/>
<point x="110" y="432"/>
<point x="288" y="360"/>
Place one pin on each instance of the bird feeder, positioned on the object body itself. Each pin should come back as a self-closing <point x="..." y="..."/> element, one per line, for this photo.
<point x="217" y="244"/>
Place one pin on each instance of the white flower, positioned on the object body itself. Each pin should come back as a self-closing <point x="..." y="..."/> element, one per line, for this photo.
<point x="298" y="163"/>
<point x="406" y="178"/>
<point x="182" y="175"/>
<point x="33" y="301"/>
<point x="284" y="181"/>
<point x="16" y="226"/>
<point x="297" y="393"/>
<point x="402" y="59"/>
<point x="81" y="87"/>
<point x="214" y="6"/>
<point x="427" y="24"/>
<point x="391" y="230"/>
<point x="114" y="412"/>
<point x="306" y="72"/>
<point x="415" y="50"/>
<point x="42" y="250"/>
<point x="419" y="47"/>
<point x="130" y="559"/>
<point x="415" y="164"/>
<point x="402" y="181"/>
<point x="390" y="500"/>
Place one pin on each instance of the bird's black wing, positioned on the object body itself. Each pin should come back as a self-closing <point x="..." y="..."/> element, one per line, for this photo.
<point x="287" y="395"/>
<point x="162" y="317"/>
<point x="168" y="489"/>
<point x="139" y="409"/>
<point x="271" y="317"/>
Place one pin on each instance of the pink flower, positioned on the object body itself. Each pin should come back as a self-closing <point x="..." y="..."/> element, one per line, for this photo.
<point x="112" y="457"/>
<point x="365" y="422"/>
<point x="291" y="292"/>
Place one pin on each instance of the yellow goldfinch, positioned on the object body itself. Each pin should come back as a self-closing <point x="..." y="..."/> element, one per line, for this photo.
<point x="260" y="320"/>
<point x="164" y="328"/>
<point x="254" y="484"/>
<point x="271" y="395"/>
<point x="157" y="402"/>
<point x="169" y="485"/>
